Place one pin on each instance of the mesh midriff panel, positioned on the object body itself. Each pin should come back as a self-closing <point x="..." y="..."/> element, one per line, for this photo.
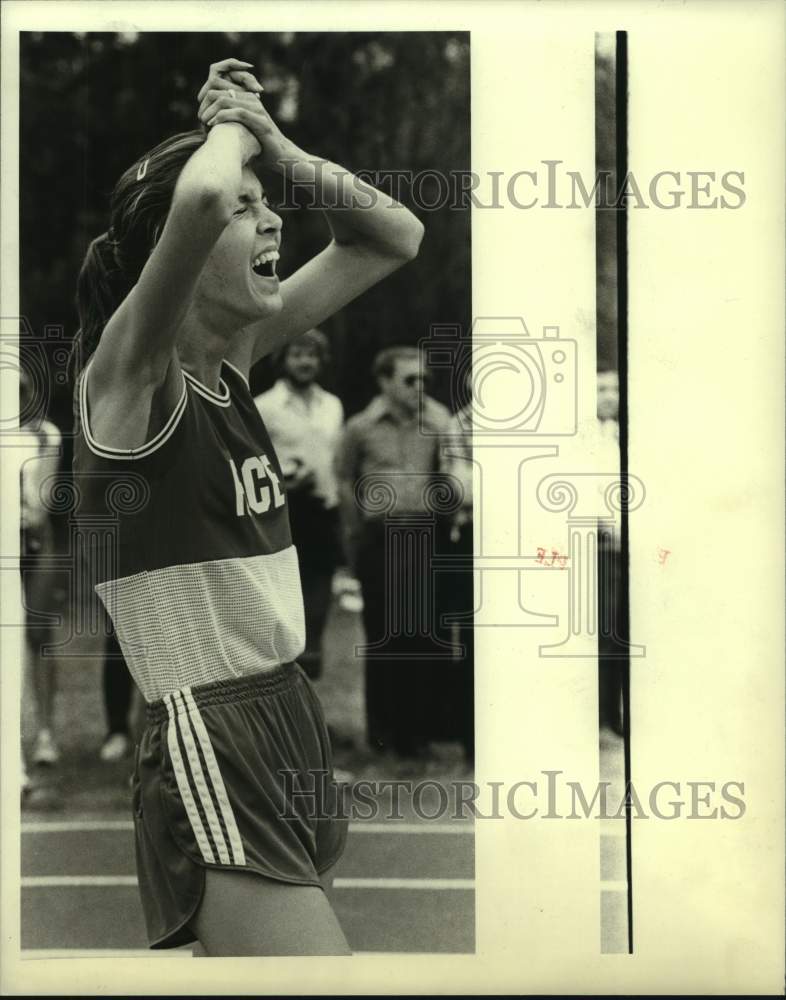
<point x="201" y="622"/>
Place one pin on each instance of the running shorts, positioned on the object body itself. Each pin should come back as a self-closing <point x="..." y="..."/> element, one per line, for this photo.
<point x="235" y="775"/>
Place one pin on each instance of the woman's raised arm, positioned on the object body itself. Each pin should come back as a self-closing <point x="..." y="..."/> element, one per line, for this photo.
<point x="372" y="234"/>
<point x="138" y="341"/>
<point x="168" y="212"/>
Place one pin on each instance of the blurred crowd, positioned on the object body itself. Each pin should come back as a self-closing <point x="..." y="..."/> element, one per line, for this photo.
<point x="381" y="514"/>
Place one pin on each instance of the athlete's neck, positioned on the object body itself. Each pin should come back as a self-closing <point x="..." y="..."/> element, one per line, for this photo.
<point x="201" y="350"/>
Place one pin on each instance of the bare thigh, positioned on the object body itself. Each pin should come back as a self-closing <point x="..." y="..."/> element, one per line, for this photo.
<point x="246" y="914"/>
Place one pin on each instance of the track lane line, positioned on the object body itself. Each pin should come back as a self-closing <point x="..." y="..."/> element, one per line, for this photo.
<point x="90" y="881"/>
<point x="75" y="881"/>
<point x="393" y="826"/>
<point x="47" y="953"/>
<point x="403" y="883"/>
<point x="184" y="952"/>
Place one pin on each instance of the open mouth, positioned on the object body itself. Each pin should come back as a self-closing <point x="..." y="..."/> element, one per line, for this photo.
<point x="264" y="266"/>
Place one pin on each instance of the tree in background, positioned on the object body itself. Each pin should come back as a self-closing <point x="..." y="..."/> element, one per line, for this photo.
<point x="381" y="101"/>
<point x="606" y="218"/>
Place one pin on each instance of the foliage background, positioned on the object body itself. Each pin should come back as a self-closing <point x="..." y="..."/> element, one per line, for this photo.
<point x="92" y="103"/>
<point x="606" y="220"/>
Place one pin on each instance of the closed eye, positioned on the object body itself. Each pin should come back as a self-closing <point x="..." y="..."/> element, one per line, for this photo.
<point x="265" y="201"/>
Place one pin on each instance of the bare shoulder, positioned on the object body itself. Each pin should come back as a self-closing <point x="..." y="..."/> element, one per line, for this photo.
<point x="127" y="412"/>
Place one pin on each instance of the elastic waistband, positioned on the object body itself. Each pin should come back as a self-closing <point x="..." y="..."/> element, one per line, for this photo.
<point x="268" y="682"/>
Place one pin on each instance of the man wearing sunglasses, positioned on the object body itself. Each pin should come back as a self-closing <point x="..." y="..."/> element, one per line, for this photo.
<point x="396" y="442"/>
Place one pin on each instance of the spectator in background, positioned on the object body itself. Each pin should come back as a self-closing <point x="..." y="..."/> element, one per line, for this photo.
<point x="611" y="662"/>
<point x="608" y="405"/>
<point x="118" y="690"/>
<point x="397" y="434"/>
<point x="304" y="421"/>
<point x="38" y="577"/>
<point x="457" y="595"/>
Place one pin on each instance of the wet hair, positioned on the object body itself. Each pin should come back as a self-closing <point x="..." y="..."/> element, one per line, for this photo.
<point x="311" y="338"/>
<point x="139" y="206"/>
<point x="385" y="362"/>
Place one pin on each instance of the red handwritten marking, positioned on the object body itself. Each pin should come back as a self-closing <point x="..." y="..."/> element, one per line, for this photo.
<point x="663" y="555"/>
<point x="556" y="558"/>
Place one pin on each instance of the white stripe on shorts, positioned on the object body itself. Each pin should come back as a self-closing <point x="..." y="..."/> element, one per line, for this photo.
<point x="199" y="779"/>
<point x="183" y="784"/>
<point x="214" y="773"/>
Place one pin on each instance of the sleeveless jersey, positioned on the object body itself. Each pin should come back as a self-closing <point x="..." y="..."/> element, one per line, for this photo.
<point x="187" y="541"/>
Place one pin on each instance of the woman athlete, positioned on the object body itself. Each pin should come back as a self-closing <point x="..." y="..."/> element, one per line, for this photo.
<point x="184" y="514"/>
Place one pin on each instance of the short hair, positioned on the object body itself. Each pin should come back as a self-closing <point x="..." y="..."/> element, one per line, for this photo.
<point x="385" y="362"/>
<point x="311" y="338"/>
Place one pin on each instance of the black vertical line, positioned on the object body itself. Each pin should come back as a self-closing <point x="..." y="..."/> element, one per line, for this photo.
<point x="621" y="101"/>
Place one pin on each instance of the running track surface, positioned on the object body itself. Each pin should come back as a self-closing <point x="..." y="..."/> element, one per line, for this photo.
<point x="400" y="887"/>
